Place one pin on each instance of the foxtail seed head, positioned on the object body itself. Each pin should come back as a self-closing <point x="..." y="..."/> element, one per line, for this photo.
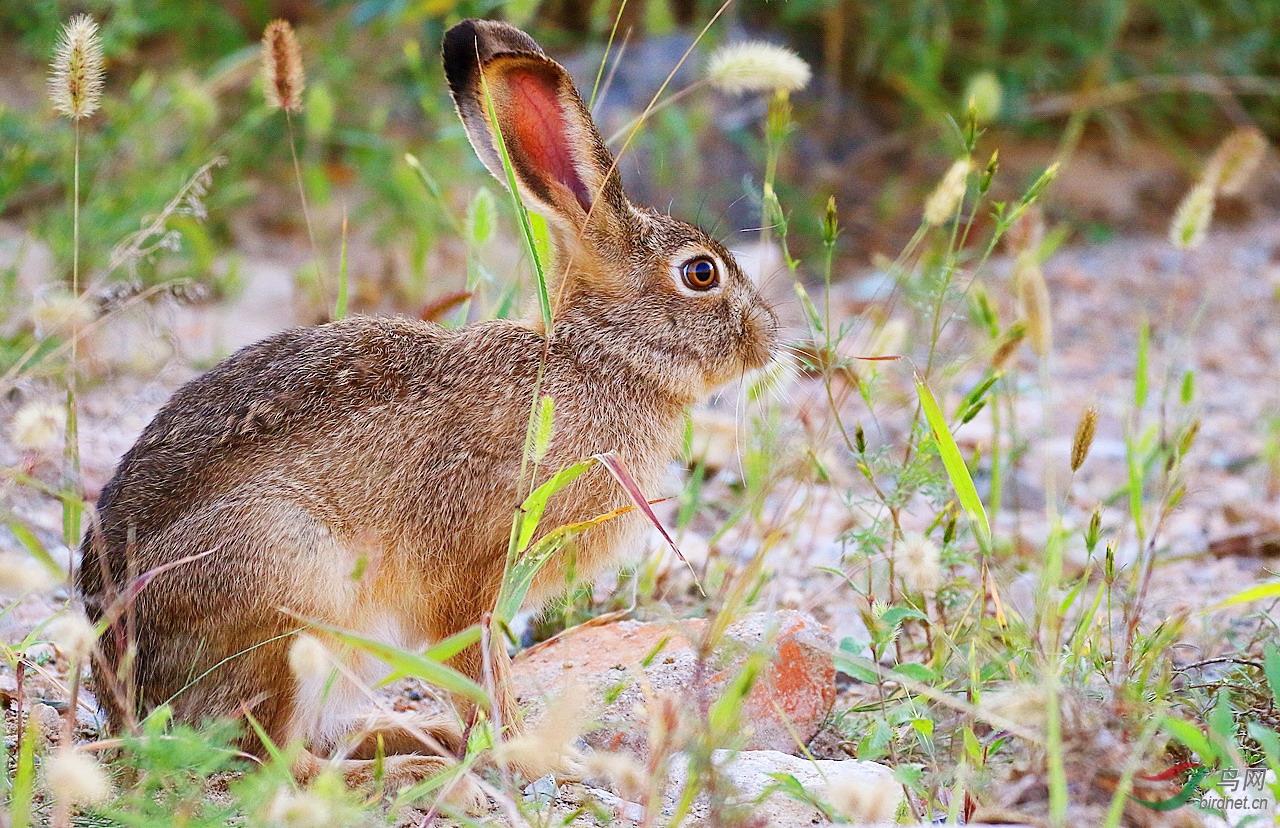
<point x="1085" y="431"/>
<point x="282" y="67"/>
<point x="1191" y="221"/>
<point x="756" y="66"/>
<point x="944" y="199"/>
<point x="75" y="78"/>
<point x="1234" y="161"/>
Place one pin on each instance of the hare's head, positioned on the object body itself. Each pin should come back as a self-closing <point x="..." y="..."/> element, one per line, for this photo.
<point x="629" y="282"/>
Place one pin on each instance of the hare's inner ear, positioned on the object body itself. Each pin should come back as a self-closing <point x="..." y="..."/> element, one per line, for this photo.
<point x="545" y="136"/>
<point x="504" y="86"/>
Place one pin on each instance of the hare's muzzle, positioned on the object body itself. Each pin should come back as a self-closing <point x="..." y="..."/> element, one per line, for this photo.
<point x="760" y="334"/>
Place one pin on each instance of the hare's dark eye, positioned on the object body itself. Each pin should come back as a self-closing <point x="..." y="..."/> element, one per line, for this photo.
<point x="700" y="273"/>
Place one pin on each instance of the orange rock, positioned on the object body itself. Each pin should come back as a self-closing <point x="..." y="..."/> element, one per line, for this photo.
<point x="625" y="668"/>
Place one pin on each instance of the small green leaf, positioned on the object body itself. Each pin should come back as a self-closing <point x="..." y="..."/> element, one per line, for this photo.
<point x="1221" y="720"/>
<point x="1188" y="391"/>
<point x="957" y="471"/>
<point x="1191" y="736"/>
<point x="1268" y="739"/>
<point x="536" y="503"/>
<point x="857" y="667"/>
<point x="894" y="616"/>
<point x="916" y="672"/>
<point x="442" y="651"/>
<point x="972" y="746"/>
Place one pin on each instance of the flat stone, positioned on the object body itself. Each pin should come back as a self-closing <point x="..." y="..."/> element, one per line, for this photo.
<point x="788" y="791"/>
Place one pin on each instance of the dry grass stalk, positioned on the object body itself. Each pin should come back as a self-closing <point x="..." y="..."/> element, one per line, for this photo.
<point x="1033" y="302"/>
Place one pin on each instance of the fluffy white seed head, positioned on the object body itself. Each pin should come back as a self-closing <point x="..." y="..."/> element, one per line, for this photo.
<point x="756" y="66"/>
<point x="75" y="78"/>
<point x="73" y="635"/>
<point x="309" y="658"/>
<point x="551" y="736"/>
<point x="919" y="563"/>
<point x="944" y="199"/>
<point x="60" y="312"/>
<point x="76" y="778"/>
<point x="23" y="575"/>
<point x="298" y="809"/>
<point x="865" y="800"/>
<point x="626" y="775"/>
<point x="39" y="426"/>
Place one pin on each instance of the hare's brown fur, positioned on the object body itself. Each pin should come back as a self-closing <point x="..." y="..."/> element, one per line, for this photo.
<point x="364" y="473"/>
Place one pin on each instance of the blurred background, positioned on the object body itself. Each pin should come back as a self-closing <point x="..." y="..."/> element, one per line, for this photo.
<point x="1131" y="94"/>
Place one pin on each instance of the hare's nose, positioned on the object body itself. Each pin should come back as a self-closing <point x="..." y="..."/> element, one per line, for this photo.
<point x="761" y="321"/>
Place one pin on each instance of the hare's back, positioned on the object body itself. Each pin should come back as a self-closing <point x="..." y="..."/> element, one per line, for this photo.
<point x="267" y="399"/>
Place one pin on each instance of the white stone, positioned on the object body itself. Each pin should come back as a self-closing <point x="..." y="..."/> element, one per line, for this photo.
<point x="849" y="789"/>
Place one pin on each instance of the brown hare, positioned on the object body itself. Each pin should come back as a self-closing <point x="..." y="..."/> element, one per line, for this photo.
<point x="363" y="473"/>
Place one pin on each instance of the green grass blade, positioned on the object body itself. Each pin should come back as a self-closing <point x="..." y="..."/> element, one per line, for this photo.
<point x="33" y="545"/>
<point x="522" y="212"/>
<point x="957" y="471"/>
<point x="409" y="663"/>
<point x="442" y="651"/>
<point x="1141" y="379"/>
<point x="24" y="776"/>
<point x="1258" y="593"/>
<point x="1271" y="669"/>
<point x="520" y="573"/>
<point x="340" y="307"/>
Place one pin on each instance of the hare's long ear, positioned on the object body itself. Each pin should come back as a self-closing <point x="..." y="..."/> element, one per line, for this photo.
<point x="560" y="162"/>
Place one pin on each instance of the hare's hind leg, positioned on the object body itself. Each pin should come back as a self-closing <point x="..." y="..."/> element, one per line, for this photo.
<point x="213" y="633"/>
